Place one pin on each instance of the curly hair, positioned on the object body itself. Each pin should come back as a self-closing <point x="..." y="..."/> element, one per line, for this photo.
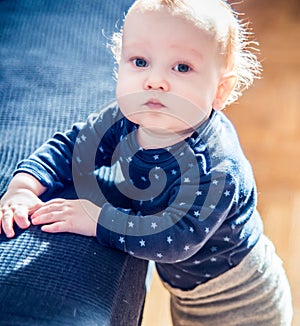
<point x="233" y="36"/>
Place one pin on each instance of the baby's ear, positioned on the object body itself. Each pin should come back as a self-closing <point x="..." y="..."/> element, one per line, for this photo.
<point x="225" y="87"/>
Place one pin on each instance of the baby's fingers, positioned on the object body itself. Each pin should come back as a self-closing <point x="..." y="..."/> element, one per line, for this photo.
<point x="46" y="215"/>
<point x="21" y="216"/>
<point x="6" y="221"/>
<point x="56" y="227"/>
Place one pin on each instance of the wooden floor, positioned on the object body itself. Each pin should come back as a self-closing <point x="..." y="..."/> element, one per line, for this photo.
<point x="267" y="118"/>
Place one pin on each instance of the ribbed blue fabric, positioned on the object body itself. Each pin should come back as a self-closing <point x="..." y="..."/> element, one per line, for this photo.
<point x="66" y="279"/>
<point x="54" y="70"/>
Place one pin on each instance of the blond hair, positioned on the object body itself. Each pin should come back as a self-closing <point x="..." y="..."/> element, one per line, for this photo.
<point x="220" y="20"/>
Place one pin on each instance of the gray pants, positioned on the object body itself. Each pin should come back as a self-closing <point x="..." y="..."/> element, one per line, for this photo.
<point x="254" y="293"/>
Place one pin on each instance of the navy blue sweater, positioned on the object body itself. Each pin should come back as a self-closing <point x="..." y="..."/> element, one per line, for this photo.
<point x="190" y="207"/>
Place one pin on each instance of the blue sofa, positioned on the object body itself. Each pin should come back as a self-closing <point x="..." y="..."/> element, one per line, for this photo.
<point x="54" y="70"/>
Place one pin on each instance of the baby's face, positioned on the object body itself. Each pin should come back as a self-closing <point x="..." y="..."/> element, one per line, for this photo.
<point x="169" y="72"/>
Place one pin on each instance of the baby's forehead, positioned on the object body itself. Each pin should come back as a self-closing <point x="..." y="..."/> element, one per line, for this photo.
<point x="173" y="27"/>
<point x="211" y="16"/>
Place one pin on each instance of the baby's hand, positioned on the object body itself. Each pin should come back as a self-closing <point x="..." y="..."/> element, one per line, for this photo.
<point x="15" y="207"/>
<point x="62" y="215"/>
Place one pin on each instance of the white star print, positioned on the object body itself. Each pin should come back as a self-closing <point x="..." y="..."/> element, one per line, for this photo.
<point x="78" y="159"/>
<point x="227" y="239"/>
<point x="207" y="275"/>
<point x="83" y="138"/>
<point x="159" y="255"/>
<point x="187" y="180"/>
<point x="213" y="259"/>
<point x="130" y="224"/>
<point x="156" y="176"/>
<point x="197" y="262"/>
<point x="213" y="249"/>
<point x="156" y="157"/>
<point x="196" y="213"/>
<point x="131" y="253"/>
<point x="143" y="243"/>
<point x="153" y="225"/>
<point x="121" y="240"/>
<point x="174" y="172"/>
<point x="177" y="276"/>
<point x="192" y="229"/>
<point x="144" y="179"/>
<point x="227" y="193"/>
<point x="169" y="239"/>
<point x="207" y="230"/>
<point x="191" y="165"/>
<point x="186" y="248"/>
<point x="199" y="193"/>
<point x="129" y="159"/>
<point x="78" y="141"/>
<point x="212" y="206"/>
<point x="215" y="182"/>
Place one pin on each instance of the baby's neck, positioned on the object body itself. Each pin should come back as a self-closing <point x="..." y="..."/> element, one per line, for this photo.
<point x="151" y="139"/>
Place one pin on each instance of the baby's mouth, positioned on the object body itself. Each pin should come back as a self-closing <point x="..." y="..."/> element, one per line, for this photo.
<point x="154" y="104"/>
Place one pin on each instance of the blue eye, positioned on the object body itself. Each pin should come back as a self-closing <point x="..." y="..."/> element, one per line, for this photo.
<point x="139" y="62"/>
<point x="182" y="67"/>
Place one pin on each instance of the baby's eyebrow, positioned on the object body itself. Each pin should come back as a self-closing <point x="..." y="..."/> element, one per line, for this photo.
<point x="133" y="48"/>
<point x="128" y="44"/>
<point x="189" y="51"/>
<point x="183" y="51"/>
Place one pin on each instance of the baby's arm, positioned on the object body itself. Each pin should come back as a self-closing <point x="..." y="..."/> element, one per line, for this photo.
<point x="52" y="163"/>
<point x="177" y="232"/>
<point x="19" y="202"/>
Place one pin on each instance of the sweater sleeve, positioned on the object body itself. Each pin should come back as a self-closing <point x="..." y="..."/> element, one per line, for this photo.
<point x="74" y="152"/>
<point x="194" y="213"/>
<point x="51" y="164"/>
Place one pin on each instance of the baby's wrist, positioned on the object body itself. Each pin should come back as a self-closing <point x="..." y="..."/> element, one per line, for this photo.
<point x="24" y="181"/>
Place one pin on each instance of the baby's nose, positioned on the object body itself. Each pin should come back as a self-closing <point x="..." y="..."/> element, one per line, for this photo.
<point x="156" y="83"/>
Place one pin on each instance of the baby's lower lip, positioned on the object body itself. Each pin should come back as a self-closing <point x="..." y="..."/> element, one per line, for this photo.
<point x="154" y="105"/>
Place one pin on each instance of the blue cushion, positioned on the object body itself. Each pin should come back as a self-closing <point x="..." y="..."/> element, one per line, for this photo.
<point x="67" y="279"/>
<point x="55" y="70"/>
